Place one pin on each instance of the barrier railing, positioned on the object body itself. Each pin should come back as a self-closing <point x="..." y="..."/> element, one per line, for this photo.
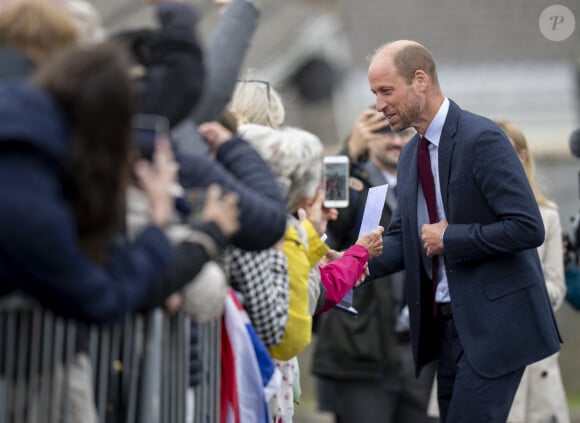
<point x="59" y="371"/>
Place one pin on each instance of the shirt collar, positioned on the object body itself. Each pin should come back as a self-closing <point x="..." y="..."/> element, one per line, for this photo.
<point x="390" y="178"/>
<point x="433" y="133"/>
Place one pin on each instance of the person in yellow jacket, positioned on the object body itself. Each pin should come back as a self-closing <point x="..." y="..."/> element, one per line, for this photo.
<point x="295" y="157"/>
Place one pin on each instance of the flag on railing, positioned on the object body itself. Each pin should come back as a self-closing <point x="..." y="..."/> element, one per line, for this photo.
<point x="248" y="377"/>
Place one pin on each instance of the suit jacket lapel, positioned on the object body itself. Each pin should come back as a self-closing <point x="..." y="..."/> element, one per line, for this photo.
<point x="412" y="188"/>
<point x="445" y="152"/>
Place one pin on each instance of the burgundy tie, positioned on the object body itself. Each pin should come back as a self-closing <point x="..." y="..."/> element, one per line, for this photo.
<point x="428" y="185"/>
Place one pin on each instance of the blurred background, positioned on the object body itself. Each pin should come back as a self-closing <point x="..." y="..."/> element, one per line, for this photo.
<point x="493" y="60"/>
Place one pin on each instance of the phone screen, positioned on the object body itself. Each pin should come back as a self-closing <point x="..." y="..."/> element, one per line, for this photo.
<point x="336" y="183"/>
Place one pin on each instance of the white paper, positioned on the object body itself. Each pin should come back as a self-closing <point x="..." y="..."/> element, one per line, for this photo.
<point x="373" y="209"/>
<point x="371" y="218"/>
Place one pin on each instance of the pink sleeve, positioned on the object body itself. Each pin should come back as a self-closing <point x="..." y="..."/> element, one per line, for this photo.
<point x="339" y="276"/>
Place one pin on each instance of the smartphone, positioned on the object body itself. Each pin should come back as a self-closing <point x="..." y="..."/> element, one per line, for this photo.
<point x="147" y="129"/>
<point x="336" y="181"/>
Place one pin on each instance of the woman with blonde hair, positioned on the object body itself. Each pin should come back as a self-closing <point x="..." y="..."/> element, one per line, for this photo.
<point x="540" y="396"/>
<point x="255" y="101"/>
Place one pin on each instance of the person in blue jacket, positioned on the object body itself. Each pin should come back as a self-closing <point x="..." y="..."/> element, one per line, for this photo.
<point x="65" y="160"/>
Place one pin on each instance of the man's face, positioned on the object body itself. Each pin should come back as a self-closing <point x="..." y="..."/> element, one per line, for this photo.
<point x="400" y="102"/>
<point x="386" y="148"/>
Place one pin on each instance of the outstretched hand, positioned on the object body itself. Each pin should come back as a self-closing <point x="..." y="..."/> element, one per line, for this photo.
<point x="366" y="272"/>
<point x="372" y="241"/>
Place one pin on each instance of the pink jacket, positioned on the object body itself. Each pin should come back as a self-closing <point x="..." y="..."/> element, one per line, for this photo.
<point x="339" y="276"/>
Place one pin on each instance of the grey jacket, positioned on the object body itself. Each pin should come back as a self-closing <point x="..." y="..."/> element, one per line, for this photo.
<point x="224" y="54"/>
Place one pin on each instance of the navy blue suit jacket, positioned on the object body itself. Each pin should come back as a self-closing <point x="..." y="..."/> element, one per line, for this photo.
<point x="500" y="303"/>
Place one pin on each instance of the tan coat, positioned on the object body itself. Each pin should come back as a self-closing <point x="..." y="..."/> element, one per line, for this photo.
<point x="540" y="396"/>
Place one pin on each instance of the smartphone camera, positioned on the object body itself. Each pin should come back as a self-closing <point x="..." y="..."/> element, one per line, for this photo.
<point x="336" y="174"/>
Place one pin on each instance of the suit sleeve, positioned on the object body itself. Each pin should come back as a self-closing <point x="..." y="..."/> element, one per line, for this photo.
<point x="514" y="224"/>
<point x="391" y="260"/>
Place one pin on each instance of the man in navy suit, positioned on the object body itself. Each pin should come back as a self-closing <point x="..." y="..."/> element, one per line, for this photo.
<point x="467" y="216"/>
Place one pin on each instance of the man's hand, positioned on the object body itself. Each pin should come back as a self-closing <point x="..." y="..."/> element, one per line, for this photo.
<point x="366" y="272"/>
<point x="432" y="238"/>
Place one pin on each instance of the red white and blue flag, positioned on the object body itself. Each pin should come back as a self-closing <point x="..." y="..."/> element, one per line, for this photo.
<point x="248" y="375"/>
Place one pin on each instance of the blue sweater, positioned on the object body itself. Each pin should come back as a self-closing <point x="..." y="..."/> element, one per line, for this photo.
<point x="39" y="249"/>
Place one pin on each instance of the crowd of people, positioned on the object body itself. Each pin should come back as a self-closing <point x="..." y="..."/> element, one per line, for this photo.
<point x="460" y="289"/>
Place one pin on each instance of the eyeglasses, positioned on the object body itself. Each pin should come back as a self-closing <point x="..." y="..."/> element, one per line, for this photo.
<point x="257" y="81"/>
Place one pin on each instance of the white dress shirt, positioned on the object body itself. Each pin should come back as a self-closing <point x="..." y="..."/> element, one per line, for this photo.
<point x="433" y="134"/>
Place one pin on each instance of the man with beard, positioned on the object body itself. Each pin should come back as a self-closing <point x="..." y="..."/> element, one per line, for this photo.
<point x="465" y="232"/>
<point x="364" y="366"/>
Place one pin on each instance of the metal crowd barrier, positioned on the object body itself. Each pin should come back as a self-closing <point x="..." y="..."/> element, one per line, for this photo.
<point x="54" y="370"/>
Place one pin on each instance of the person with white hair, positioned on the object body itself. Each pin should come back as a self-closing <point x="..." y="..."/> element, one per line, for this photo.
<point x="295" y="157"/>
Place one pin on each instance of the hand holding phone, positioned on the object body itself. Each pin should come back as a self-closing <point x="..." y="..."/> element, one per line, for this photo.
<point x="317" y="213"/>
<point x="336" y="174"/>
<point x="156" y="179"/>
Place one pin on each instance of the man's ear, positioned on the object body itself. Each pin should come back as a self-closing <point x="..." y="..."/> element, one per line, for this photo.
<point x="421" y="79"/>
